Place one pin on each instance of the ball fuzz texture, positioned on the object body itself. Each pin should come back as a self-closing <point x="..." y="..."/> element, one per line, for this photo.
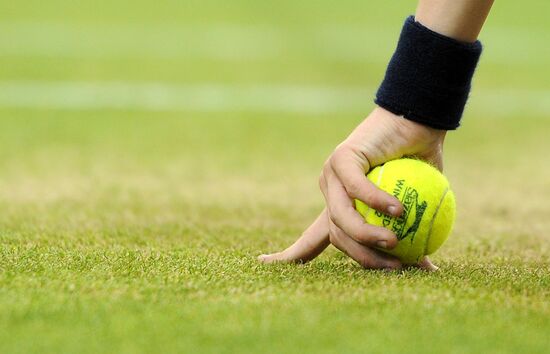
<point x="429" y="207"/>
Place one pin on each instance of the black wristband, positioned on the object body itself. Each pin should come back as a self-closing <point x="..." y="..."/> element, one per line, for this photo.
<point x="429" y="77"/>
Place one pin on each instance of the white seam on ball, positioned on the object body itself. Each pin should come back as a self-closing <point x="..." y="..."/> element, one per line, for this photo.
<point x="433" y="219"/>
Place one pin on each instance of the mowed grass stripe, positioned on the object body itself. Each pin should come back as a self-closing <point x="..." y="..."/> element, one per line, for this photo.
<point x="221" y="97"/>
<point x="337" y="42"/>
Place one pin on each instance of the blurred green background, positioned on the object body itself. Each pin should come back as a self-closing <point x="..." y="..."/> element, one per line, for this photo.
<point x="149" y="151"/>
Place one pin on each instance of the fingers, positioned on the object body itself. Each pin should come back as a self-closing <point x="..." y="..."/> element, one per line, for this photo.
<point x="349" y="168"/>
<point x="342" y="180"/>
<point x="313" y="241"/>
<point x="316" y="238"/>
<point x="366" y="257"/>
<point x="427" y="265"/>
<point x="343" y="214"/>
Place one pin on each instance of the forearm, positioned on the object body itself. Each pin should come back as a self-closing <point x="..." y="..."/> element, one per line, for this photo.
<point x="458" y="19"/>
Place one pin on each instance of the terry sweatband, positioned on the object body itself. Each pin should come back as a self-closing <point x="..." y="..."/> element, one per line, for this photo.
<point x="429" y="77"/>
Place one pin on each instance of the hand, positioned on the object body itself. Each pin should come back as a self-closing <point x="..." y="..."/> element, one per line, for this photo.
<point x="381" y="137"/>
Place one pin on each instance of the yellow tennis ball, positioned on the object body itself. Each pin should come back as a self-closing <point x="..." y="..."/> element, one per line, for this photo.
<point x="429" y="207"/>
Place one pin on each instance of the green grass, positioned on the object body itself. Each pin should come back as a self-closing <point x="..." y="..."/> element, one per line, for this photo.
<point x="128" y="229"/>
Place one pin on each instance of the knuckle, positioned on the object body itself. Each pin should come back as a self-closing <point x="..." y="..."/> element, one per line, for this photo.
<point x="366" y="238"/>
<point x="372" y="198"/>
<point x="366" y="261"/>
<point x="322" y="181"/>
<point x="369" y="194"/>
<point x="334" y="216"/>
<point x="334" y="238"/>
<point x="338" y="154"/>
<point x="332" y="162"/>
<point x="331" y="159"/>
<point x="334" y="234"/>
<point x="353" y="189"/>
<point x="370" y="262"/>
<point x="327" y="166"/>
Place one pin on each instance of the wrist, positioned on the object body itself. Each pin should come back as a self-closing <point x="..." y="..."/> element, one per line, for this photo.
<point x="407" y="127"/>
<point x="429" y="77"/>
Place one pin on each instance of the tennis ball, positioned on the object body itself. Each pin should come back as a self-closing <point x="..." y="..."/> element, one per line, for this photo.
<point x="429" y="207"/>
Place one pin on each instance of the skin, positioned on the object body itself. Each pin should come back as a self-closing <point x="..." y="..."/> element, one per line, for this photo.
<point x="381" y="137"/>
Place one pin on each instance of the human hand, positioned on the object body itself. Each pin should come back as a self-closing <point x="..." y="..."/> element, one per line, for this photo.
<point x="381" y="137"/>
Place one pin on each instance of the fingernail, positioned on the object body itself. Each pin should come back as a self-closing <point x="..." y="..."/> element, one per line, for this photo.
<point x="382" y="244"/>
<point x="392" y="209"/>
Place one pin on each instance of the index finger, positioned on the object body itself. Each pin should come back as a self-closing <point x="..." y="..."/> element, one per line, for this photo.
<point x="351" y="172"/>
<point x="344" y="215"/>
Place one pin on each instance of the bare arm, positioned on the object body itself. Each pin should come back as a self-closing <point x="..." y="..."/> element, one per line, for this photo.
<point x="458" y="19"/>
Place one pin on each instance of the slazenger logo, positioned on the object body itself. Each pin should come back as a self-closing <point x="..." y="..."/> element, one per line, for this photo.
<point x="413" y="208"/>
